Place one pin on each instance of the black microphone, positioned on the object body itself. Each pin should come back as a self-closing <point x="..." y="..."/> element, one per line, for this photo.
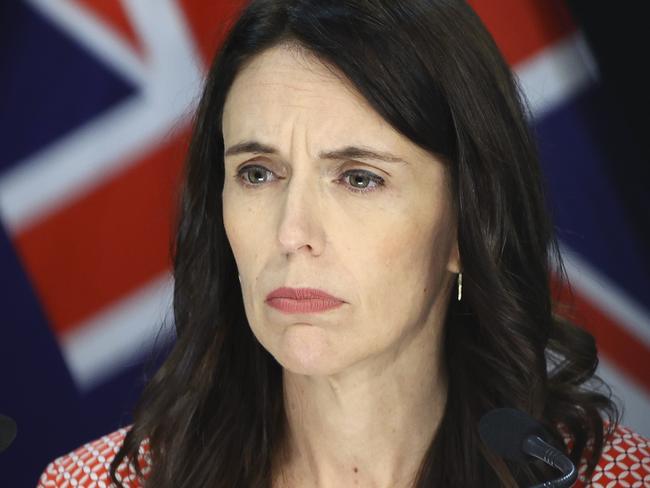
<point x="516" y="436"/>
<point x="7" y="432"/>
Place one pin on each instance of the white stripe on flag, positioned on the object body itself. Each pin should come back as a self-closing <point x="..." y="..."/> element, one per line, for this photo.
<point x="119" y="335"/>
<point x="556" y="74"/>
<point x="609" y="298"/>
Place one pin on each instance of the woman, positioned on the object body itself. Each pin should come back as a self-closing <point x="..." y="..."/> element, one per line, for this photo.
<point x="366" y="168"/>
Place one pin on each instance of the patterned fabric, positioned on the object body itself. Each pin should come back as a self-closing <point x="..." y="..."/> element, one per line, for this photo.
<point x="625" y="463"/>
<point x="89" y="465"/>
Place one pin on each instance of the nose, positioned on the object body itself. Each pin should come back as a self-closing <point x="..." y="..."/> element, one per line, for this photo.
<point x="301" y="225"/>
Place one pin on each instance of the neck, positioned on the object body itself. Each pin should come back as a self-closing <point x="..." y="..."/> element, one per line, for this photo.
<point x="369" y="426"/>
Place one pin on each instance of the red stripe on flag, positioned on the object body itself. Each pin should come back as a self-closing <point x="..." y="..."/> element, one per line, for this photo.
<point x="107" y="243"/>
<point x="521" y="28"/>
<point x="613" y="340"/>
<point x="210" y="22"/>
<point x="112" y="12"/>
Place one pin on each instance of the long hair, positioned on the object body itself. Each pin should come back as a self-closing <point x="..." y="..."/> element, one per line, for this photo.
<point x="213" y="413"/>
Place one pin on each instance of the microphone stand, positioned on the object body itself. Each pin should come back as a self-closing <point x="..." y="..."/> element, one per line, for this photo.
<point x="536" y="447"/>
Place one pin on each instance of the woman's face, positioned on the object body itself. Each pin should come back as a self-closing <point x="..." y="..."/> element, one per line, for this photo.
<point x="378" y="234"/>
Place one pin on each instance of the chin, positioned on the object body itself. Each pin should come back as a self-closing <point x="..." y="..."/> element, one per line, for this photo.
<point x="306" y="350"/>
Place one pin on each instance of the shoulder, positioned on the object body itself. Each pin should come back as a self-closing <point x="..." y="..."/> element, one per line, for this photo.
<point x="625" y="462"/>
<point x="89" y="465"/>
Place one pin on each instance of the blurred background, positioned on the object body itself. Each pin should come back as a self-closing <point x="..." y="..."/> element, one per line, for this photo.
<point x="95" y="104"/>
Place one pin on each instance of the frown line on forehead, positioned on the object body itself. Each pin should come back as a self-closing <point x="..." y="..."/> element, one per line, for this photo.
<point x="347" y="152"/>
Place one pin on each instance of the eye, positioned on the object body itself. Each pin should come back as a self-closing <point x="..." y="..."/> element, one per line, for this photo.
<point x="246" y="171"/>
<point x="361" y="175"/>
<point x="357" y="185"/>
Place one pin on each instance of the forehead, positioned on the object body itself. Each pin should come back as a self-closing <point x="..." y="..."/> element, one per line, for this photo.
<point x="282" y="89"/>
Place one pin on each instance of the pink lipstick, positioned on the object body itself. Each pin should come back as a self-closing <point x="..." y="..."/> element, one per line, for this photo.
<point x="302" y="300"/>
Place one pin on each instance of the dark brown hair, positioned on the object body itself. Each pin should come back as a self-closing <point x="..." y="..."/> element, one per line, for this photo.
<point x="214" y="414"/>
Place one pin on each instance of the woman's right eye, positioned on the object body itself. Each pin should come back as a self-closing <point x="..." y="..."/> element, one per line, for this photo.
<point x="244" y="175"/>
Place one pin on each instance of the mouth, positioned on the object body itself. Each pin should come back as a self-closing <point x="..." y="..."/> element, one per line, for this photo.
<point x="302" y="300"/>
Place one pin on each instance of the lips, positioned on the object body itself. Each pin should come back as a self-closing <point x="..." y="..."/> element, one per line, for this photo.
<point x="302" y="300"/>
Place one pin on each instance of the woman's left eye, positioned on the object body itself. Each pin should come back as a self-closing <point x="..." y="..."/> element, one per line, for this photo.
<point x="359" y="176"/>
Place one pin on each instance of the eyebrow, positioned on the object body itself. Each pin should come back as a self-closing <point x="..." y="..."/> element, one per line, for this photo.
<point x="347" y="152"/>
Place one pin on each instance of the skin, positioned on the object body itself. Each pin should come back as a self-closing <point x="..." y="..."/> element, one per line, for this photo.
<point x="364" y="384"/>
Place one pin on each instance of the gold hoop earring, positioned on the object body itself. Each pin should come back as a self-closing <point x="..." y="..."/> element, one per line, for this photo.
<point x="460" y="286"/>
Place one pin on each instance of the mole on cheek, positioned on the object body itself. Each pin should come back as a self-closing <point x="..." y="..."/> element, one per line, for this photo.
<point x="356" y="470"/>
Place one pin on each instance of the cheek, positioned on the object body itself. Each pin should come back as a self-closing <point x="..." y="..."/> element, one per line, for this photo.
<point x="382" y="264"/>
<point x="240" y="224"/>
<point x="403" y="272"/>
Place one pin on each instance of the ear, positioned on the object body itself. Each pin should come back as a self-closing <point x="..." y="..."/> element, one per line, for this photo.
<point x="453" y="265"/>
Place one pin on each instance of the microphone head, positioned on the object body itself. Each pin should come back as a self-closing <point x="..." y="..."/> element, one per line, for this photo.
<point x="504" y="430"/>
<point x="7" y="432"/>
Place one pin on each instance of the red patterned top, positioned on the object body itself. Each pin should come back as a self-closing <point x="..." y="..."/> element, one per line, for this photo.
<point x="625" y="462"/>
